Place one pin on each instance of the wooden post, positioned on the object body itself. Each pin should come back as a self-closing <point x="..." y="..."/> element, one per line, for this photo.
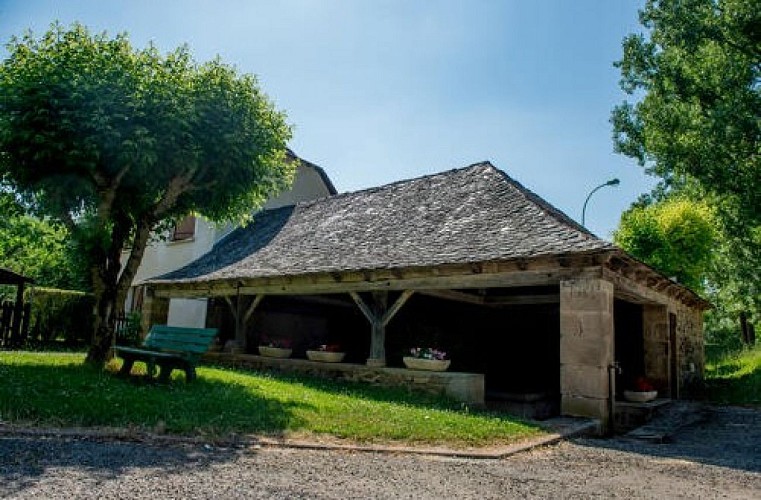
<point x="379" y="315"/>
<point x="242" y="317"/>
<point x="18" y="311"/>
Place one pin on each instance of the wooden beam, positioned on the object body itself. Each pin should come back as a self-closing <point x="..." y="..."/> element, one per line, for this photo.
<point x="388" y="315"/>
<point x="254" y="303"/>
<point x="315" y="285"/>
<point x="233" y="309"/>
<point x="242" y="317"/>
<point x="497" y="300"/>
<point x="379" y="315"/>
<point x="454" y="295"/>
<point x="362" y="306"/>
<point x="520" y="300"/>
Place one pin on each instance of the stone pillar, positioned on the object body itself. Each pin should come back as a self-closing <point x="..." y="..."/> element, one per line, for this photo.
<point x="586" y="347"/>
<point x="155" y="311"/>
<point x="655" y="326"/>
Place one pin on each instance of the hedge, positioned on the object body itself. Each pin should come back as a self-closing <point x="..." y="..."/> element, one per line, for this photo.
<point x="61" y="315"/>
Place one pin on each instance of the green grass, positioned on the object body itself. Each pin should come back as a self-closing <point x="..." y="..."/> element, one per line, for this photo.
<point x="57" y="389"/>
<point x="735" y="378"/>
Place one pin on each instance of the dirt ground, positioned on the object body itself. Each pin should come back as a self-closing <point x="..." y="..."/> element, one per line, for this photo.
<point x="719" y="458"/>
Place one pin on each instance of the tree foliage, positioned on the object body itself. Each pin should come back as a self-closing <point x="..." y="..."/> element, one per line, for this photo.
<point x="698" y="73"/>
<point x="695" y="78"/>
<point x="37" y="248"/>
<point x="675" y="236"/>
<point x="112" y="140"/>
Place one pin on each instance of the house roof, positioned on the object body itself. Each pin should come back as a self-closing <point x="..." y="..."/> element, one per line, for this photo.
<point x="320" y="171"/>
<point x="473" y="214"/>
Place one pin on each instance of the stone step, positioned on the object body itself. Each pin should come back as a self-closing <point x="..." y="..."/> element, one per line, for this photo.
<point x="668" y="420"/>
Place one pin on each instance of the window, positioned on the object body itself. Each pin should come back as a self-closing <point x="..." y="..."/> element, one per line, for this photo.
<point x="185" y="229"/>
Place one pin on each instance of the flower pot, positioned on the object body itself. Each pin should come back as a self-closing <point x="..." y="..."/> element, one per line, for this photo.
<point x="431" y="365"/>
<point x="640" y="396"/>
<point x="274" y="352"/>
<point x="326" y="356"/>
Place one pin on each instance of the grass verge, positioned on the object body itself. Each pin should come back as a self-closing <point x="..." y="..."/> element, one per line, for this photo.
<point x="735" y="378"/>
<point x="57" y="389"/>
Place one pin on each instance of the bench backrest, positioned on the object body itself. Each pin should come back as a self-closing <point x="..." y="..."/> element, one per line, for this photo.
<point x="180" y="339"/>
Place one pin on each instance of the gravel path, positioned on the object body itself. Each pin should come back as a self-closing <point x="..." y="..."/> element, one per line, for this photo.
<point x="718" y="458"/>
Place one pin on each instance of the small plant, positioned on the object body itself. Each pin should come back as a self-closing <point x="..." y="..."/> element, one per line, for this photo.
<point x="278" y="343"/>
<point x="427" y="353"/>
<point x="329" y="348"/>
<point x="643" y="385"/>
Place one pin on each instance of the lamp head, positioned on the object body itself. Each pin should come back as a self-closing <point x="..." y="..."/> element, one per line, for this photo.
<point x="613" y="182"/>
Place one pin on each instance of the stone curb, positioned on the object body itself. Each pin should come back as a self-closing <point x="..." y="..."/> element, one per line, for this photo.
<point x="255" y="442"/>
<point x="490" y="453"/>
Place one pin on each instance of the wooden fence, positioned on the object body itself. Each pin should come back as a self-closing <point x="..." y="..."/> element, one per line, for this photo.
<point x="14" y="330"/>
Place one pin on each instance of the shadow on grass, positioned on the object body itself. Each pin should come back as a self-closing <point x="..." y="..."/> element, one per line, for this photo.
<point x="74" y="394"/>
<point x="361" y="390"/>
<point x="71" y="394"/>
<point x="725" y="388"/>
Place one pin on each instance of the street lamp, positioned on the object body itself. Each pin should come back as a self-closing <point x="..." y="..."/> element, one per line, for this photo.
<point x="612" y="182"/>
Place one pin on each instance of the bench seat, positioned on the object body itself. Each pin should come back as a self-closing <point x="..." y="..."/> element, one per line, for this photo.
<point x="169" y="348"/>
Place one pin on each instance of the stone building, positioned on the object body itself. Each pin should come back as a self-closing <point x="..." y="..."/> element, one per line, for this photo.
<point x="468" y="261"/>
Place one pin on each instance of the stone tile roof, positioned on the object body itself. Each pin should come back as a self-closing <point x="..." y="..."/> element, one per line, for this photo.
<point x="473" y="214"/>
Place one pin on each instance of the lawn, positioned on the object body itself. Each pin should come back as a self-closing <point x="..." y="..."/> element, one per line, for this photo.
<point x="735" y="378"/>
<point x="57" y="389"/>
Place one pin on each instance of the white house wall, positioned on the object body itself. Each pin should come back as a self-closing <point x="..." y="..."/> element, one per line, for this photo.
<point x="164" y="256"/>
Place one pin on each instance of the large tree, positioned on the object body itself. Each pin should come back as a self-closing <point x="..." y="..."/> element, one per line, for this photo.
<point x="696" y="78"/>
<point x="112" y="140"/>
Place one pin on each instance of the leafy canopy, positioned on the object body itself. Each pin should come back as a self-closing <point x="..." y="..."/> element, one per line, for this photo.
<point x="675" y="236"/>
<point x="698" y="73"/>
<point x="112" y="140"/>
<point x="36" y="247"/>
<point x="81" y="114"/>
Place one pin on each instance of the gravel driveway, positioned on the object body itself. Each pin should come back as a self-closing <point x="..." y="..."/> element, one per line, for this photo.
<point x="718" y="458"/>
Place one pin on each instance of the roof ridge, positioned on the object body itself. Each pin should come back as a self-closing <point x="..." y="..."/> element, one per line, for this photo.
<point x="374" y="189"/>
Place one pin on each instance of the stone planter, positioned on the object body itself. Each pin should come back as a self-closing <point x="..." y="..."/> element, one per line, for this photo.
<point x="275" y="352"/>
<point x="640" y="396"/>
<point x="431" y="365"/>
<point x="326" y="356"/>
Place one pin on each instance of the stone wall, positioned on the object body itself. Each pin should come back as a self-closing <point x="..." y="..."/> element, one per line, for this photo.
<point x="690" y="350"/>
<point x="465" y="387"/>
<point x="586" y="347"/>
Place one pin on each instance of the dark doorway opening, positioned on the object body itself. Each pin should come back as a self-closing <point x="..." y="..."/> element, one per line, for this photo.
<point x="629" y="344"/>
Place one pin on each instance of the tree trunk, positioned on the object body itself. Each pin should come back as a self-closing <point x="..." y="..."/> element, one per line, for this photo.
<point x="105" y="275"/>
<point x="109" y="287"/>
<point x="104" y="328"/>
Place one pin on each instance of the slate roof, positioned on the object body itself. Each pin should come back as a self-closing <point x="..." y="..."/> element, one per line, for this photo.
<point x="473" y="214"/>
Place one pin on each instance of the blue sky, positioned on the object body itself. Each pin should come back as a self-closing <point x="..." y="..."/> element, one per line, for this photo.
<point x="385" y="90"/>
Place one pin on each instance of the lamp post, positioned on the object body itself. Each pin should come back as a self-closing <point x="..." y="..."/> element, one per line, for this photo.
<point x="612" y="182"/>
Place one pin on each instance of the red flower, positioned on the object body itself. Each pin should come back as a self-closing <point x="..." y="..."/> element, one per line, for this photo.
<point x="642" y="385"/>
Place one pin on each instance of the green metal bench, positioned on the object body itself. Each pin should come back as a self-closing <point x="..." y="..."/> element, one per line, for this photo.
<point x="170" y="348"/>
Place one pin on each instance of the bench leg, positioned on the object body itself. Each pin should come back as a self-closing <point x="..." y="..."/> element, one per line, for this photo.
<point x="126" y="367"/>
<point x="150" y="366"/>
<point x="190" y="373"/>
<point x="165" y="373"/>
